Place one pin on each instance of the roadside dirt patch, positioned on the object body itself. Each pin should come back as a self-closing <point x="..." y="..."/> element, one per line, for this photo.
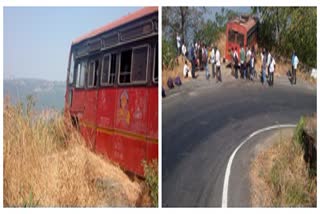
<point x="279" y="176"/>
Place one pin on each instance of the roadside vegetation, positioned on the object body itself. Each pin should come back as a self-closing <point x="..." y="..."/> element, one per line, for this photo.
<point x="151" y="176"/>
<point x="285" y="175"/>
<point x="46" y="164"/>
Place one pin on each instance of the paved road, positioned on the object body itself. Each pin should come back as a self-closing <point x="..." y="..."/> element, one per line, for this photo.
<point x="204" y="121"/>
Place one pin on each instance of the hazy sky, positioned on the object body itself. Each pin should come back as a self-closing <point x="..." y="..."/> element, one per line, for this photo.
<point x="37" y="39"/>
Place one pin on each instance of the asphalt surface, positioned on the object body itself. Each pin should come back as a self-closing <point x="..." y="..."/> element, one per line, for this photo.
<point x="204" y="121"/>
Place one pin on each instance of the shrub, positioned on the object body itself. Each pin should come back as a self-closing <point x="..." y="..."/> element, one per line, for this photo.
<point x="297" y="137"/>
<point x="151" y="175"/>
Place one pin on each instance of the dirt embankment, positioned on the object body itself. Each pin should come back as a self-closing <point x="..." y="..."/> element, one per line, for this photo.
<point x="47" y="164"/>
<point x="280" y="176"/>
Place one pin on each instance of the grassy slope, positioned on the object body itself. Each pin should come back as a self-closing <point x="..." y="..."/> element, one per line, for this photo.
<point x="280" y="177"/>
<point x="47" y="164"/>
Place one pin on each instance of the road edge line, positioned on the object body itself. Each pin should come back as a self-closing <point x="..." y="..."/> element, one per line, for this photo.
<point x="224" y="203"/>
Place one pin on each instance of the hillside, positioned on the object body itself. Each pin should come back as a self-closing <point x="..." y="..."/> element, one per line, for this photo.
<point x="47" y="94"/>
<point x="47" y="164"/>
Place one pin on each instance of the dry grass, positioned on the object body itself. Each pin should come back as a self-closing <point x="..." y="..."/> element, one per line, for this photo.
<point x="279" y="177"/>
<point x="221" y="44"/>
<point x="46" y="163"/>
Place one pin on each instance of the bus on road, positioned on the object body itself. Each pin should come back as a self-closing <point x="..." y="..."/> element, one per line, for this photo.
<point x="112" y="89"/>
<point x="240" y="31"/>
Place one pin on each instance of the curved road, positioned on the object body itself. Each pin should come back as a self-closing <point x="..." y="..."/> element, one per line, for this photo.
<point x="202" y="124"/>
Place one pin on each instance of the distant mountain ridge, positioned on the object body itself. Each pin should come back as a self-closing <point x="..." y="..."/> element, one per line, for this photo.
<point x="47" y="94"/>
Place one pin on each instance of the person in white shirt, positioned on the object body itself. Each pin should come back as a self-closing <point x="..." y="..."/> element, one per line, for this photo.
<point x="185" y="69"/>
<point x="295" y="66"/>
<point x="212" y="61"/>
<point x="184" y="49"/>
<point x="271" y="70"/>
<point x="217" y="60"/>
<point x="268" y="62"/>
<point x="178" y="44"/>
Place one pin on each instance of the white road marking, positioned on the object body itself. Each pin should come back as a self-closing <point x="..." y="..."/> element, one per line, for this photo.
<point x="228" y="169"/>
<point x="173" y="95"/>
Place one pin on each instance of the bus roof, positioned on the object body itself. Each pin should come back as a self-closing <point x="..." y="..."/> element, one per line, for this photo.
<point x="123" y="20"/>
<point x="246" y="22"/>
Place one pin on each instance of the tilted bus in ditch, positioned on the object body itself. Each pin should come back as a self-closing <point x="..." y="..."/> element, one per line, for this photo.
<point x="112" y="89"/>
<point x="240" y="31"/>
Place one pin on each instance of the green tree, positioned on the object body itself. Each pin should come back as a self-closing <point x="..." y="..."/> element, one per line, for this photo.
<point x="285" y="29"/>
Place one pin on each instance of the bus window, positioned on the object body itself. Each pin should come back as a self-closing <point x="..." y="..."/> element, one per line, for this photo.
<point x="113" y="69"/>
<point x="109" y="69"/>
<point x="240" y="39"/>
<point x="80" y="74"/>
<point x="105" y="69"/>
<point x="125" y="66"/>
<point x="155" y="65"/>
<point x="93" y="73"/>
<point x="231" y="36"/>
<point x="140" y="64"/>
<point x="71" y="70"/>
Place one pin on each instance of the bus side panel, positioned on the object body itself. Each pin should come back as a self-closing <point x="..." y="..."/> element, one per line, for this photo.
<point x="152" y="133"/>
<point x="130" y="127"/>
<point x="89" y="117"/>
<point x="105" y="121"/>
<point x="78" y="100"/>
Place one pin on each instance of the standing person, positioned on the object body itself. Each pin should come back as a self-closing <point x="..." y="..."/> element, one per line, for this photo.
<point x="242" y="59"/>
<point x="200" y="56"/>
<point x="271" y="71"/>
<point x="218" y="63"/>
<point x="292" y="62"/>
<point x="261" y="55"/>
<point x="191" y="51"/>
<point x="204" y="56"/>
<point x="252" y="64"/>
<point x="236" y="62"/>
<point x="295" y="66"/>
<point x="231" y="53"/>
<point x="248" y="58"/>
<point x="205" y="61"/>
<point x="264" y="67"/>
<point x="212" y="60"/>
<point x="185" y="69"/>
<point x="268" y="62"/>
<point x="193" y="68"/>
<point x="184" y="49"/>
<point x="178" y="44"/>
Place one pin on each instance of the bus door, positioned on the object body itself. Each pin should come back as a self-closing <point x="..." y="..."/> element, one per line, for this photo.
<point x="106" y="104"/>
<point x="90" y="101"/>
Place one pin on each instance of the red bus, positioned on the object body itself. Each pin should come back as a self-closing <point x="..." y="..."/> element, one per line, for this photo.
<point x="240" y="31"/>
<point x="112" y="89"/>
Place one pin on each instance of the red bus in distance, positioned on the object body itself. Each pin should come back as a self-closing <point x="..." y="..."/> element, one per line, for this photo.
<point x="240" y="31"/>
<point x="112" y="89"/>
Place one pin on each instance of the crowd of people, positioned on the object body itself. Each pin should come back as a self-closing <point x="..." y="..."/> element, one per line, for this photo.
<point x="200" y="56"/>
<point x="245" y="64"/>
